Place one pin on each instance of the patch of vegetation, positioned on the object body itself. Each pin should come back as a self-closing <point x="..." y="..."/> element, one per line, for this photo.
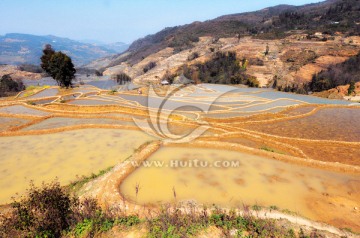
<point x="247" y="223"/>
<point x="287" y="211"/>
<point x="31" y="90"/>
<point x="183" y="41"/>
<point x="256" y="61"/>
<point x="267" y="149"/>
<point x="9" y="87"/>
<point x="176" y="223"/>
<point x="45" y="212"/>
<point x="340" y="74"/>
<point x="149" y="66"/>
<point x="122" y="78"/>
<point x="31" y="103"/>
<point x="112" y="91"/>
<point x="351" y="89"/>
<point x="30" y="68"/>
<point x="223" y="68"/>
<point x="340" y="16"/>
<point x="74" y="186"/>
<point x="193" y="56"/>
<point x="89" y="72"/>
<point x="49" y="211"/>
<point x="256" y="207"/>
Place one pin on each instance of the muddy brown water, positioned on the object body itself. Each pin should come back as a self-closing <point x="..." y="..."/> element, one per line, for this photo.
<point x="255" y="180"/>
<point x="64" y="155"/>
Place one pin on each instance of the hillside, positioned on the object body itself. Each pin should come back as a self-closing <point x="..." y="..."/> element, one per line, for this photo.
<point x="271" y="23"/>
<point x="23" y="48"/>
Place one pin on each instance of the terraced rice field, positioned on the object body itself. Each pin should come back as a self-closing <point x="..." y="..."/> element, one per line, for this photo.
<point x="300" y="153"/>
<point x="213" y="180"/>
<point x="65" y="156"/>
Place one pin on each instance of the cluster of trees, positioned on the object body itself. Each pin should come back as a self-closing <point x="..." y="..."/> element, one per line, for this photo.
<point x="344" y="73"/>
<point x="223" y="68"/>
<point x="340" y="16"/>
<point x="293" y="88"/>
<point x="291" y="20"/>
<point x="122" y="78"/>
<point x="58" y="65"/>
<point x="336" y="12"/>
<point x="9" y="87"/>
<point x="183" y="41"/>
<point x="149" y="66"/>
<point x="340" y="74"/>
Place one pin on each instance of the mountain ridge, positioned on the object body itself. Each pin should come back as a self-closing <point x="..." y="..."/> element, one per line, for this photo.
<point x="19" y="48"/>
<point x="268" y="23"/>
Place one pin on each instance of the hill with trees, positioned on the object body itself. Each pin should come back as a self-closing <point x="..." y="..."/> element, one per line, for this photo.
<point x="347" y="72"/>
<point x="223" y="68"/>
<point x="271" y="23"/>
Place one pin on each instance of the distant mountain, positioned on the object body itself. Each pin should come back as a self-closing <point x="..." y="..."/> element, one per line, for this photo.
<point x="16" y="48"/>
<point x="270" y="23"/>
<point x="118" y="47"/>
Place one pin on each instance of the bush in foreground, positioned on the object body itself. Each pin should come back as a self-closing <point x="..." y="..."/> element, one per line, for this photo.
<point x="49" y="211"/>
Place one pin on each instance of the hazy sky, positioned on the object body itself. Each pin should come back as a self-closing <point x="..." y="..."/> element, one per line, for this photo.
<point x="116" y="20"/>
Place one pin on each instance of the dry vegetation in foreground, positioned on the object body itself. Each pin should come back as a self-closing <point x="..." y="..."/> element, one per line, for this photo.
<point x="50" y="211"/>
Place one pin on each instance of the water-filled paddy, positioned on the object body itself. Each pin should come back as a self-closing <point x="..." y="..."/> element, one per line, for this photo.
<point x="64" y="155"/>
<point x="19" y="109"/>
<point x="255" y="180"/>
<point x="299" y="110"/>
<point x="267" y="106"/>
<point x="44" y="101"/>
<point x="309" y="99"/>
<point x="45" y="93"/>
<point x="222" y="115"/>
<point x="168" y="104"/>
<point x="57" y="122"/>
<point x="326" y="124"/>
<point x="8" y="122"/>
<point x="93" y="102"/>
<point x="71" y="96"/>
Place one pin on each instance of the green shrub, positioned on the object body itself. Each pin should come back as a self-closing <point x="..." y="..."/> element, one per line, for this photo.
<point x="256" y="207"/>
<point x="83" y="228"/>
<point x="127" y="221"/>
<point x="45" y="212"/>
<point x="31" y="103"/>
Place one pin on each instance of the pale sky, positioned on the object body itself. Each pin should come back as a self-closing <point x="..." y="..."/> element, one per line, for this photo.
<point x="116" y="20"/>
